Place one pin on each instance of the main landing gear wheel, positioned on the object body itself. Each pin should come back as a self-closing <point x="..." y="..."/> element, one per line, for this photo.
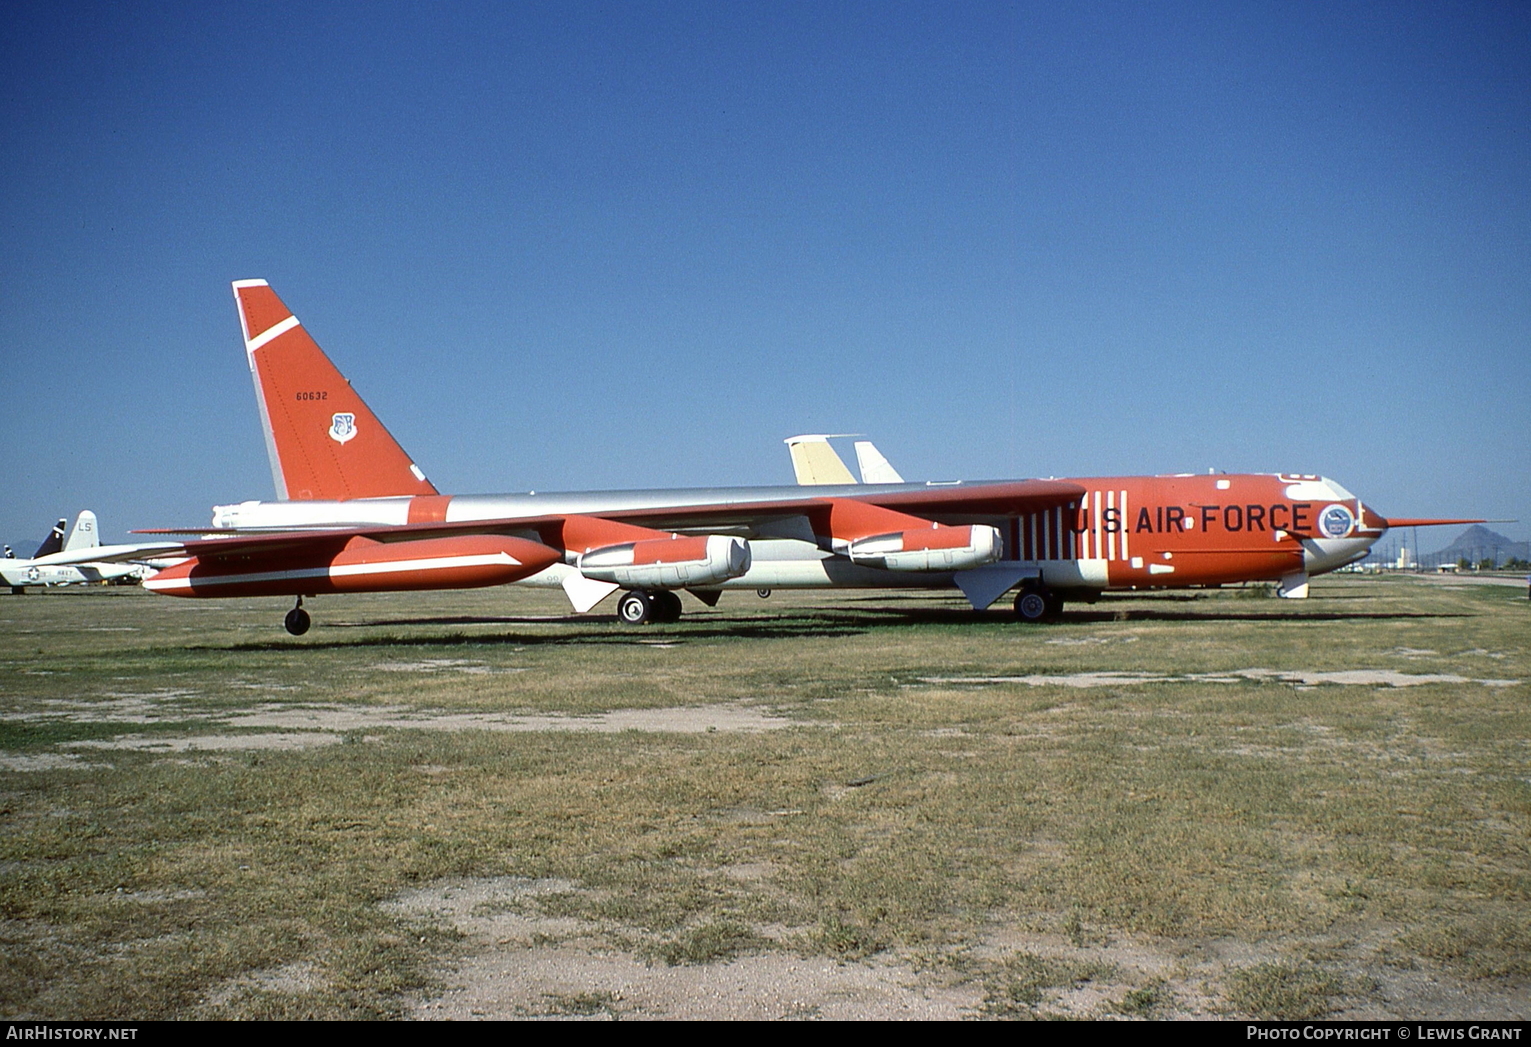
<point x="666" y="606"/>
<point x="635" y="608"/>
<point x="640" y="608"/>
<point x="297" y="621"/>
<point x="1035" y="603"/>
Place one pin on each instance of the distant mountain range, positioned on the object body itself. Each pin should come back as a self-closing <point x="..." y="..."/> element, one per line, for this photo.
<point x="1478" y="543"/>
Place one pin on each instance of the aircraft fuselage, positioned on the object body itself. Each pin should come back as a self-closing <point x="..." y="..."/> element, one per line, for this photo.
<point x="1134" y="532"/>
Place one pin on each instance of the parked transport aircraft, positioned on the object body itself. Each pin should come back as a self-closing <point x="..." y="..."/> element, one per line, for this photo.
<point x="41" y="570"/>
<point x="356" y="514"/>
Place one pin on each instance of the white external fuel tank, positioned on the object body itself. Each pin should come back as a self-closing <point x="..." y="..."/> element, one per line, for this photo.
<point x="935" y="549"/>
<point x="668" y="563"/>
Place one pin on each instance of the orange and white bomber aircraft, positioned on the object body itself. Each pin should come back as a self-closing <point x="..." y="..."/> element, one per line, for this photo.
<point x="356" y="514"/>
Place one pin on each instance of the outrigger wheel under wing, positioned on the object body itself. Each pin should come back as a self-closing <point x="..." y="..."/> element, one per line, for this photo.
<point x="297" y="620"/>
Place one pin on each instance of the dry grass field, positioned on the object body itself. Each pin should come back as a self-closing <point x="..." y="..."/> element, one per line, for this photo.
<point x="475" y="804"/>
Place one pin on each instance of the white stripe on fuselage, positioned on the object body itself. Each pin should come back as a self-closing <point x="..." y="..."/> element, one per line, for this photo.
<point x="438" y="563"/>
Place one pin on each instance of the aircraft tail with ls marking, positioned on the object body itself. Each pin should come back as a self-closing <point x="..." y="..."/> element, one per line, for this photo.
<point x="83" y="535"/>
<point x="323" y="440"/>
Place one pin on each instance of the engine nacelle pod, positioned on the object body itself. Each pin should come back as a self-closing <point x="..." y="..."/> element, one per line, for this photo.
<point x="933" y="549"/>
<point x="668" y="563"/>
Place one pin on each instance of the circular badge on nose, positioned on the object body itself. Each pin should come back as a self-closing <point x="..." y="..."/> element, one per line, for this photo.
<point x="1336" y="521"/>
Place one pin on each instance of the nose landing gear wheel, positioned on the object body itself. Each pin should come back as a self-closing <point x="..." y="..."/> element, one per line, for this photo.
<point x="297" y="621"/>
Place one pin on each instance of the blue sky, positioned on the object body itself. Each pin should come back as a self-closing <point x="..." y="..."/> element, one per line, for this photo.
<point x="573" y="246"/>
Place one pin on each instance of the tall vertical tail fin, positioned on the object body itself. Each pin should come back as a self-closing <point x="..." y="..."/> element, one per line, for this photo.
<point x="815" y="462"/>
<point x="53" y="543"/>
<point x="84" y="534"/>
<point x="875" y="469"/>
<point x="323" y="440"/>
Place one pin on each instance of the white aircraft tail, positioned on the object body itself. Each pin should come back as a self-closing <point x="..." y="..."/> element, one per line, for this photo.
<point x="84" y="534"/>
<point x="324" y="441"/>
<point x="874" y="467"/>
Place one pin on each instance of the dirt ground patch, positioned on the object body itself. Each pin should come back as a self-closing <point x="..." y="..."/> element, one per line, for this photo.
<point x="693" y="719"/>
<point x="1299" y="677"/>
<point x="1172" y="979"/>
<point x="313" y="726"/>
<point x="44" y="762"/>
<point x="518" y="964"/>
<point x="216" y="742"/>
<point x="551" y="981"/>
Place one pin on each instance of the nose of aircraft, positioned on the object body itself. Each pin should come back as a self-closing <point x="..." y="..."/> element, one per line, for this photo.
<point x="1345" y="537"/>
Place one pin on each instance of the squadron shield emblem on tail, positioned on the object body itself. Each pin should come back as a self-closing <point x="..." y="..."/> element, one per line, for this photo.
<point x="342" y="427"/>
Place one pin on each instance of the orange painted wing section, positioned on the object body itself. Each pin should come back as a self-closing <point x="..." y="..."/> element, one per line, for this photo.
<point x="326" y="441"/>
<point x="581" y="534"/>
<point x="850" y="520"/>
<point x="1003" y="498"/>
<point x="956" y="504"/>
